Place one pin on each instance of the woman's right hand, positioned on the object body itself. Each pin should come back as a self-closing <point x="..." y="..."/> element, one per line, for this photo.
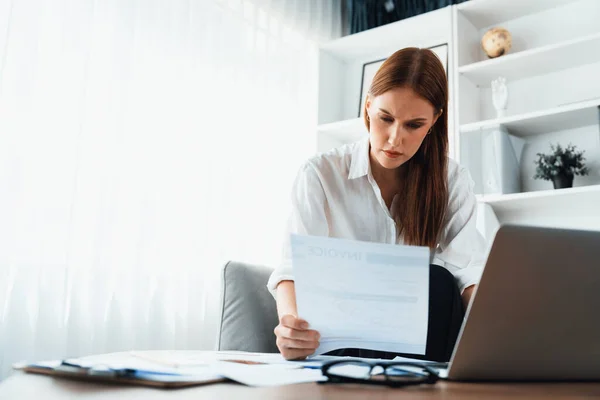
<point x="294" y="340"/>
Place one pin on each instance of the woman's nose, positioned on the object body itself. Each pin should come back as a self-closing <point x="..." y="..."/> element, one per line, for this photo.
<point x="396" y="137"/>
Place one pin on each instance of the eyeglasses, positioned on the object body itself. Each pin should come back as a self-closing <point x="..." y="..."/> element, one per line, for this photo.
<point x="394" y="374"/>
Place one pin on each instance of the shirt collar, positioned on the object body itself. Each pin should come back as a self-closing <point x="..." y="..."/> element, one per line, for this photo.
<point x="359" y="163"/>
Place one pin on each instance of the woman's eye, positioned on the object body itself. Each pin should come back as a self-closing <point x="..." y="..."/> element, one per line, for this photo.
<point x="414" y="126"/>
<point x="387" y="119"/>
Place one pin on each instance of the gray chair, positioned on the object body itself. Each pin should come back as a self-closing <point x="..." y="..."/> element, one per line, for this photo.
<point x="248" y="312"/>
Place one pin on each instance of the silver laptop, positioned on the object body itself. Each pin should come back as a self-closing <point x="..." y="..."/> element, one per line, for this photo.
<point x="536" y="312"/>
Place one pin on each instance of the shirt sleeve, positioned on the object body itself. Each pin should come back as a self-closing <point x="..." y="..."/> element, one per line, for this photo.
<point x="307" y="217"/>
<point x="462" y="249"/>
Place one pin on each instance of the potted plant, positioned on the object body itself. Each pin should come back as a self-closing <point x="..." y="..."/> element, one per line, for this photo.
<point x="560" y="166"/>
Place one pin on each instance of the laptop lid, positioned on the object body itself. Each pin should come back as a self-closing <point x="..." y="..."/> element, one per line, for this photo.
<point x="536" y="312"/>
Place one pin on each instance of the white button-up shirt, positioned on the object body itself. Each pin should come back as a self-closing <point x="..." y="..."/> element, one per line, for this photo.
<point x="336" y="195"/>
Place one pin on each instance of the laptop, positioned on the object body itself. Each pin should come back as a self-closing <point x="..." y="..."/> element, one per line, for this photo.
<point x="536" y="311"/>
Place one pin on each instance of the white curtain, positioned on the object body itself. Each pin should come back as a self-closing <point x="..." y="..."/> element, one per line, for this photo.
<point x="142" y="144"/>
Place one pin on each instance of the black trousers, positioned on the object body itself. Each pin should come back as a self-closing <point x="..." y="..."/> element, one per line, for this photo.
<point x="446" y="313"/>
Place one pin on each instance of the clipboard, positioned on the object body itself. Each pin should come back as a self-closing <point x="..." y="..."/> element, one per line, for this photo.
<point x="63" y="369"/>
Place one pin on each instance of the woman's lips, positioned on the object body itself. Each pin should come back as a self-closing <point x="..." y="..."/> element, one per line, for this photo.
<point x="392" y="154"/>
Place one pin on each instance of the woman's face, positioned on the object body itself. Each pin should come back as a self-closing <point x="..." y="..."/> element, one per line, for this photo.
<point x="400" y="120"/>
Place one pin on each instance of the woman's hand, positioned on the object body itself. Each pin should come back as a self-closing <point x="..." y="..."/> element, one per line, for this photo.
<point x="294" y="340"/>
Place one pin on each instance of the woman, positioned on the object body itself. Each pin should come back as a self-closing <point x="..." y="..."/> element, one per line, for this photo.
<point x="397" y="186"/>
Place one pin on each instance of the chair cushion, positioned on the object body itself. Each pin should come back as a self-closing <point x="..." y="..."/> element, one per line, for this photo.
<point x="249" y="312"/>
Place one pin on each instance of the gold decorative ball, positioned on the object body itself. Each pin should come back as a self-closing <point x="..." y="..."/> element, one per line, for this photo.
<point x="496" y="42"/>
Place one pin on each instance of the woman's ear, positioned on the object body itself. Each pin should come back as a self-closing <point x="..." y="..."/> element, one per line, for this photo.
<point x="367" y="103"/>
<point x="437" y="115"/>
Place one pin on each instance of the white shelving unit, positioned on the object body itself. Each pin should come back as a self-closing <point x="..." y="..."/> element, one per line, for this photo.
<point x="350" y="129"/>
<point x="485" y="13"/>
<point x="566" y="117"/>
<point x="554" y="97"/>
<point x="538" y="61"/>
<point x="568" y="208"/>
<point x="560" y="199"/>
<point x="552" y="73"/>
<point x="341" y="64"/>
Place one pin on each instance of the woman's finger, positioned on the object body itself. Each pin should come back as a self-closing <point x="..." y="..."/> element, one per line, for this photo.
<point x="308" y="335"/>
<point x="293" y="322"/>
<point x="296" y="344"/>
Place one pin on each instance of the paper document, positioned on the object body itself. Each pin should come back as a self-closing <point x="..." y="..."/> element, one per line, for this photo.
<point x="131" y="361"/>
<point x="440" y="367"/>
<point x="424" y="362"/>
<point x="267" y="375"/>
<point x="193" y="358"/>
<point x="362" y="295"/>
<point x="182" y="367"/>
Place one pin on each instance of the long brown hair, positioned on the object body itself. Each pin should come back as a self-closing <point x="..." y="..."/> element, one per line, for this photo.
<point x="421" y="210"/>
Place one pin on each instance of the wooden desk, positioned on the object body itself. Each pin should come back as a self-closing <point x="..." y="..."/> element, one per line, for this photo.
<point x="29" y="386"/>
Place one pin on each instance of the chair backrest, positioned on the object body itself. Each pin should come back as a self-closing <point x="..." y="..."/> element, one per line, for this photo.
<point x="249" y="312"/>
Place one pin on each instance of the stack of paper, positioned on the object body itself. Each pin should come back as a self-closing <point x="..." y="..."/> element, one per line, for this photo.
<point x="177" y="369"/>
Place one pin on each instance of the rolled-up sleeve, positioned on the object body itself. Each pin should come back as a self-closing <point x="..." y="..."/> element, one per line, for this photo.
<point x="462" y="249"/>
<point x="307" y="217"/>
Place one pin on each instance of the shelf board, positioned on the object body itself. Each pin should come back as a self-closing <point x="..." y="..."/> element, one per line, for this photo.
<point x="534" y="62"/>
<point x="348" y="131"/>
<point x="543" y="200"/>
<point x="569" y="116"/>
<point x="485" y="13"/>
<point x="425" y="29"/>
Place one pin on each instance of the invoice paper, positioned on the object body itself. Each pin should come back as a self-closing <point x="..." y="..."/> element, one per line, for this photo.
<point x="362" y="295"/>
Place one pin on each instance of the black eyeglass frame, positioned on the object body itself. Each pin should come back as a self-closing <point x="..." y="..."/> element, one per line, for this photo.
<point x="431" y="378"/>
